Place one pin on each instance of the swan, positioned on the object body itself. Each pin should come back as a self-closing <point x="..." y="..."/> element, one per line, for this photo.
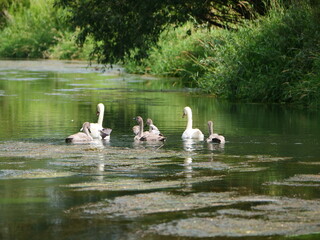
<point x="152" y="127"/>
<point x="214" y="137"/>
<point x="96" y="128"/>
<point x="191" y="133"/>
<point x="146" y="136"/>
<point x="81" y="136"/>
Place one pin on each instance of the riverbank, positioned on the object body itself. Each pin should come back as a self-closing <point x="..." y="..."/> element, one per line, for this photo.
<point x="274" y="59"/>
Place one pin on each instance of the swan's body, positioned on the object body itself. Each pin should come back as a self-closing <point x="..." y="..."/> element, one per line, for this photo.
<point x="214" y="137"/>
<point x="146" y="136"/>
<point x="81" y="136"/>
<point x="152" y="127"/>
<point x="96" y="128"/>
<point x="136" y="130"/>
<point x="191" y="133"/>
<point x="105" y="133"/>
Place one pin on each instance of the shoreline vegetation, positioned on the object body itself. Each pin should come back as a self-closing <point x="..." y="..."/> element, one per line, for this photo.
<point x="273" y="59"/>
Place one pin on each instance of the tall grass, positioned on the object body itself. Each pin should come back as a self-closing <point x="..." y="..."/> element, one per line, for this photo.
<point x="273" y="59"/>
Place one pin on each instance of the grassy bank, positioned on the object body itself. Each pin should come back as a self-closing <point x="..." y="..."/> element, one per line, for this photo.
<point x="274" y="59"/>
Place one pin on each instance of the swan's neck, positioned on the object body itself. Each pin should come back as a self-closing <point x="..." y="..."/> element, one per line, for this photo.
<point x="100" y="119"/>
<point x="210" y="129"/>
<point x="141" y="128"/>
<point x="189" y="123"/>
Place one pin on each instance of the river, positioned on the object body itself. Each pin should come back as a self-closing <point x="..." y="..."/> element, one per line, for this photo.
<point x="263" y="183"/>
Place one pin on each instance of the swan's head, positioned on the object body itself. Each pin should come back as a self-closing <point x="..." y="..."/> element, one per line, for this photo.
<point x="210" y="123"/>
<point x="139" y="119"/>
<point x="186" y="111"/>
<point x="100" y="108"/>
<point x="149" y="121"/>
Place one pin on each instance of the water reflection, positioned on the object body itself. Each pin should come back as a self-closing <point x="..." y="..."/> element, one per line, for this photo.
<point x="215" y="146"/>
<point x="192" y="145"/>
<point x="188" y="167"/>
<point x="175" y="182"/>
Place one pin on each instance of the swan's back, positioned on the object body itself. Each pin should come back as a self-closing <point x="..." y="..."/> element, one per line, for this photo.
<point x="80" y="136"/>
<point x="152" y="128"/>
<point x="193" y="133"/>
<point x="95" y="129"/>
<point x="216" y="138"/>
<point x="152" y="137"/>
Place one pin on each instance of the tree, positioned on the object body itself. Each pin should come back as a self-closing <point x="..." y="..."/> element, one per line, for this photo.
<point x="130" y="27"/>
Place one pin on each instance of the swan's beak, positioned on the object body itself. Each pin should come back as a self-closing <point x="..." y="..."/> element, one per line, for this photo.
<point x="98" y="113"/>
<point x="183" y="115"/>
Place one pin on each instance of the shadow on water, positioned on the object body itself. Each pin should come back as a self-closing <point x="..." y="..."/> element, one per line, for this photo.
<point x="263" y="183"/>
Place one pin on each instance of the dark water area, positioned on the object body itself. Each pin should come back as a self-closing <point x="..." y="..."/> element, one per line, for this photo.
<point x="263" y="183"/>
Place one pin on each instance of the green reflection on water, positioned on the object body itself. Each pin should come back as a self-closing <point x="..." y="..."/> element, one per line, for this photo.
<point x="271" y="152"/>
<point x="24" y="200"/>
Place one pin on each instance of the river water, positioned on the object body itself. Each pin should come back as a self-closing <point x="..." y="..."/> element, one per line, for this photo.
<point x="262" y="184"/>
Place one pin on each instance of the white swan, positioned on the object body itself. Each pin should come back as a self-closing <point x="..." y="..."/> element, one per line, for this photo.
<point x="81" y="136"/>
<point x="214" y="137"/>
<point x="152" y="127"/>
<point x="146" y="136"/>
<point x="191" y="133"/>
<point x="96" y="128"/>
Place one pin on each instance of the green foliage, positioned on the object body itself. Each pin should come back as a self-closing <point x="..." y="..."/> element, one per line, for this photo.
<point x="127" y="27"/>
<point x="10" y="4"/>
<point x="31" y="31"/>
<point x="273" y="59"/>
<point x="66" y="48"/>
<point x="172" y="57"/>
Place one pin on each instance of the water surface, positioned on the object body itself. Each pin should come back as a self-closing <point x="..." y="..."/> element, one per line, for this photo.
<point x="262" y="184"/>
